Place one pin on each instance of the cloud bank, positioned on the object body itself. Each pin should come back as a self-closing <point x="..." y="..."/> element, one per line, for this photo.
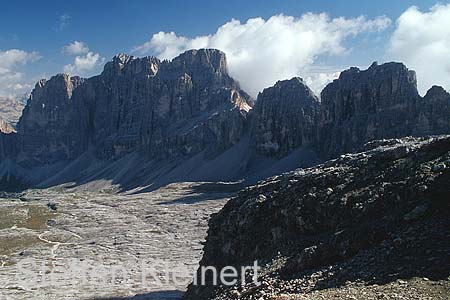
<point x="260" y="52"/>
<point x="12" y="81"/>
<point x="422" y="41"/>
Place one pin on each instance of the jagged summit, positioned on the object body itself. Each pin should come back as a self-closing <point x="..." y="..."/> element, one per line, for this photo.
<point x="295" y="84"/>
<point x="209" y="58"/>
<point x="376" y="72"/>
<point x="284" y="117"/>
<point x="191" y="61"/>
<point x="436" y="90"/>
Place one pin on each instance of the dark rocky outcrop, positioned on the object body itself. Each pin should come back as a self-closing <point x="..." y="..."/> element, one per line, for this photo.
<point x="8" y="145"/>
<point x="284" y="118"/>
<point x="380" y="102"/>
<point x="361" y="106"/>
<point x="434" y="113"/>
<point x="45" y="132"/>
<point x="373" y="216"/>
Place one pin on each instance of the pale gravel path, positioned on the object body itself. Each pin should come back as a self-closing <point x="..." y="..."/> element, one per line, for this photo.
<point x="95" y="233"/>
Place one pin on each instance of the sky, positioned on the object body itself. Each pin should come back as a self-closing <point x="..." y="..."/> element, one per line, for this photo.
<point x="264" y="41"/>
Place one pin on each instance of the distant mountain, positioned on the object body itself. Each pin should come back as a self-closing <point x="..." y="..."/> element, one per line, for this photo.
<point x="143" y="123"/>
<point x="11" y="109"/>
<point x="5" y="127"/>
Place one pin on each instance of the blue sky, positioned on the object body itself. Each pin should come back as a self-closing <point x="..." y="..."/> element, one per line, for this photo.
<point x="43" y="28"/>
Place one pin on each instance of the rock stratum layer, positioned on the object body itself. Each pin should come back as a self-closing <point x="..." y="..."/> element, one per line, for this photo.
<point x="370" y="217"/>
<point x="143" y="123"/>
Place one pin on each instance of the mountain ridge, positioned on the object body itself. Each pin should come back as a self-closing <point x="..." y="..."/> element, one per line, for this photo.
<point x="187" y="119"/>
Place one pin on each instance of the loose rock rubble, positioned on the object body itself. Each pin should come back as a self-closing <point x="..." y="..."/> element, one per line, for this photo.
<point x="370" y="225"/>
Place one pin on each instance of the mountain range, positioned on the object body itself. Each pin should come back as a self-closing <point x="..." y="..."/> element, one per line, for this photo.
<point x="144" y="122"/>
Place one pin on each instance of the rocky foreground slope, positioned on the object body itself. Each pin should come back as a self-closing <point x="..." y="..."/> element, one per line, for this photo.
<point x="343" y="228"/>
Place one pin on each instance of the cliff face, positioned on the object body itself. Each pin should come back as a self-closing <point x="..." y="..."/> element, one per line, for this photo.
<point x="434" y="113"/>
<point x="8" y="145"/>
<point x="381" y="102"/>
<point x="165" y="109"/>
<point x="377" y="215"/>
<point x="284" y="118"/>
<point x="45" y="134"/>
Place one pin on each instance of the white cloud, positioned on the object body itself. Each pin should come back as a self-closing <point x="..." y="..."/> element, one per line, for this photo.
<point x="84" y="65"/>
<point x="422" y="41"/>
<point x="75" y="48"/>
<point x="260" y="52"/>
<point x="12" y="81"/>
<point x="13" y="57"/>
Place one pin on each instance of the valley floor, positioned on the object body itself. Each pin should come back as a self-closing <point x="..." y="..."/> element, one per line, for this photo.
<point x="78" y="245"/>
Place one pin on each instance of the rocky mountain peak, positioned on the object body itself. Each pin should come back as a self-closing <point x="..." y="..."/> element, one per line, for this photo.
<point x="60" y="85"/>
<point x="434" y="113"/>
<point x="44" y="126"/>
<point x="284" y="117"/>
<point x="437" y="91"/>
<point x="403" y="79"/>
<point x="116" y="64"/>
<point x="129" y="65"/>
<point x="205" y="59"/>
<point x="294" y="86"/>
<point x="364" y="105"/>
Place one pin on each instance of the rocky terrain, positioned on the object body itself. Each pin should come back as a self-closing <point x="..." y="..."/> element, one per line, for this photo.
<point x="369" y="225"/>
<point x="61" y="244"/>
<point x="144" y="123"/>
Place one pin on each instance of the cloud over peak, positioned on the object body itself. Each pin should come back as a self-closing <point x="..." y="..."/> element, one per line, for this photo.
<point x="260" y="51"/>
<point x="422" y="41"/>
<point x="84" y="64"/>
<point x="85" y="61"/>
